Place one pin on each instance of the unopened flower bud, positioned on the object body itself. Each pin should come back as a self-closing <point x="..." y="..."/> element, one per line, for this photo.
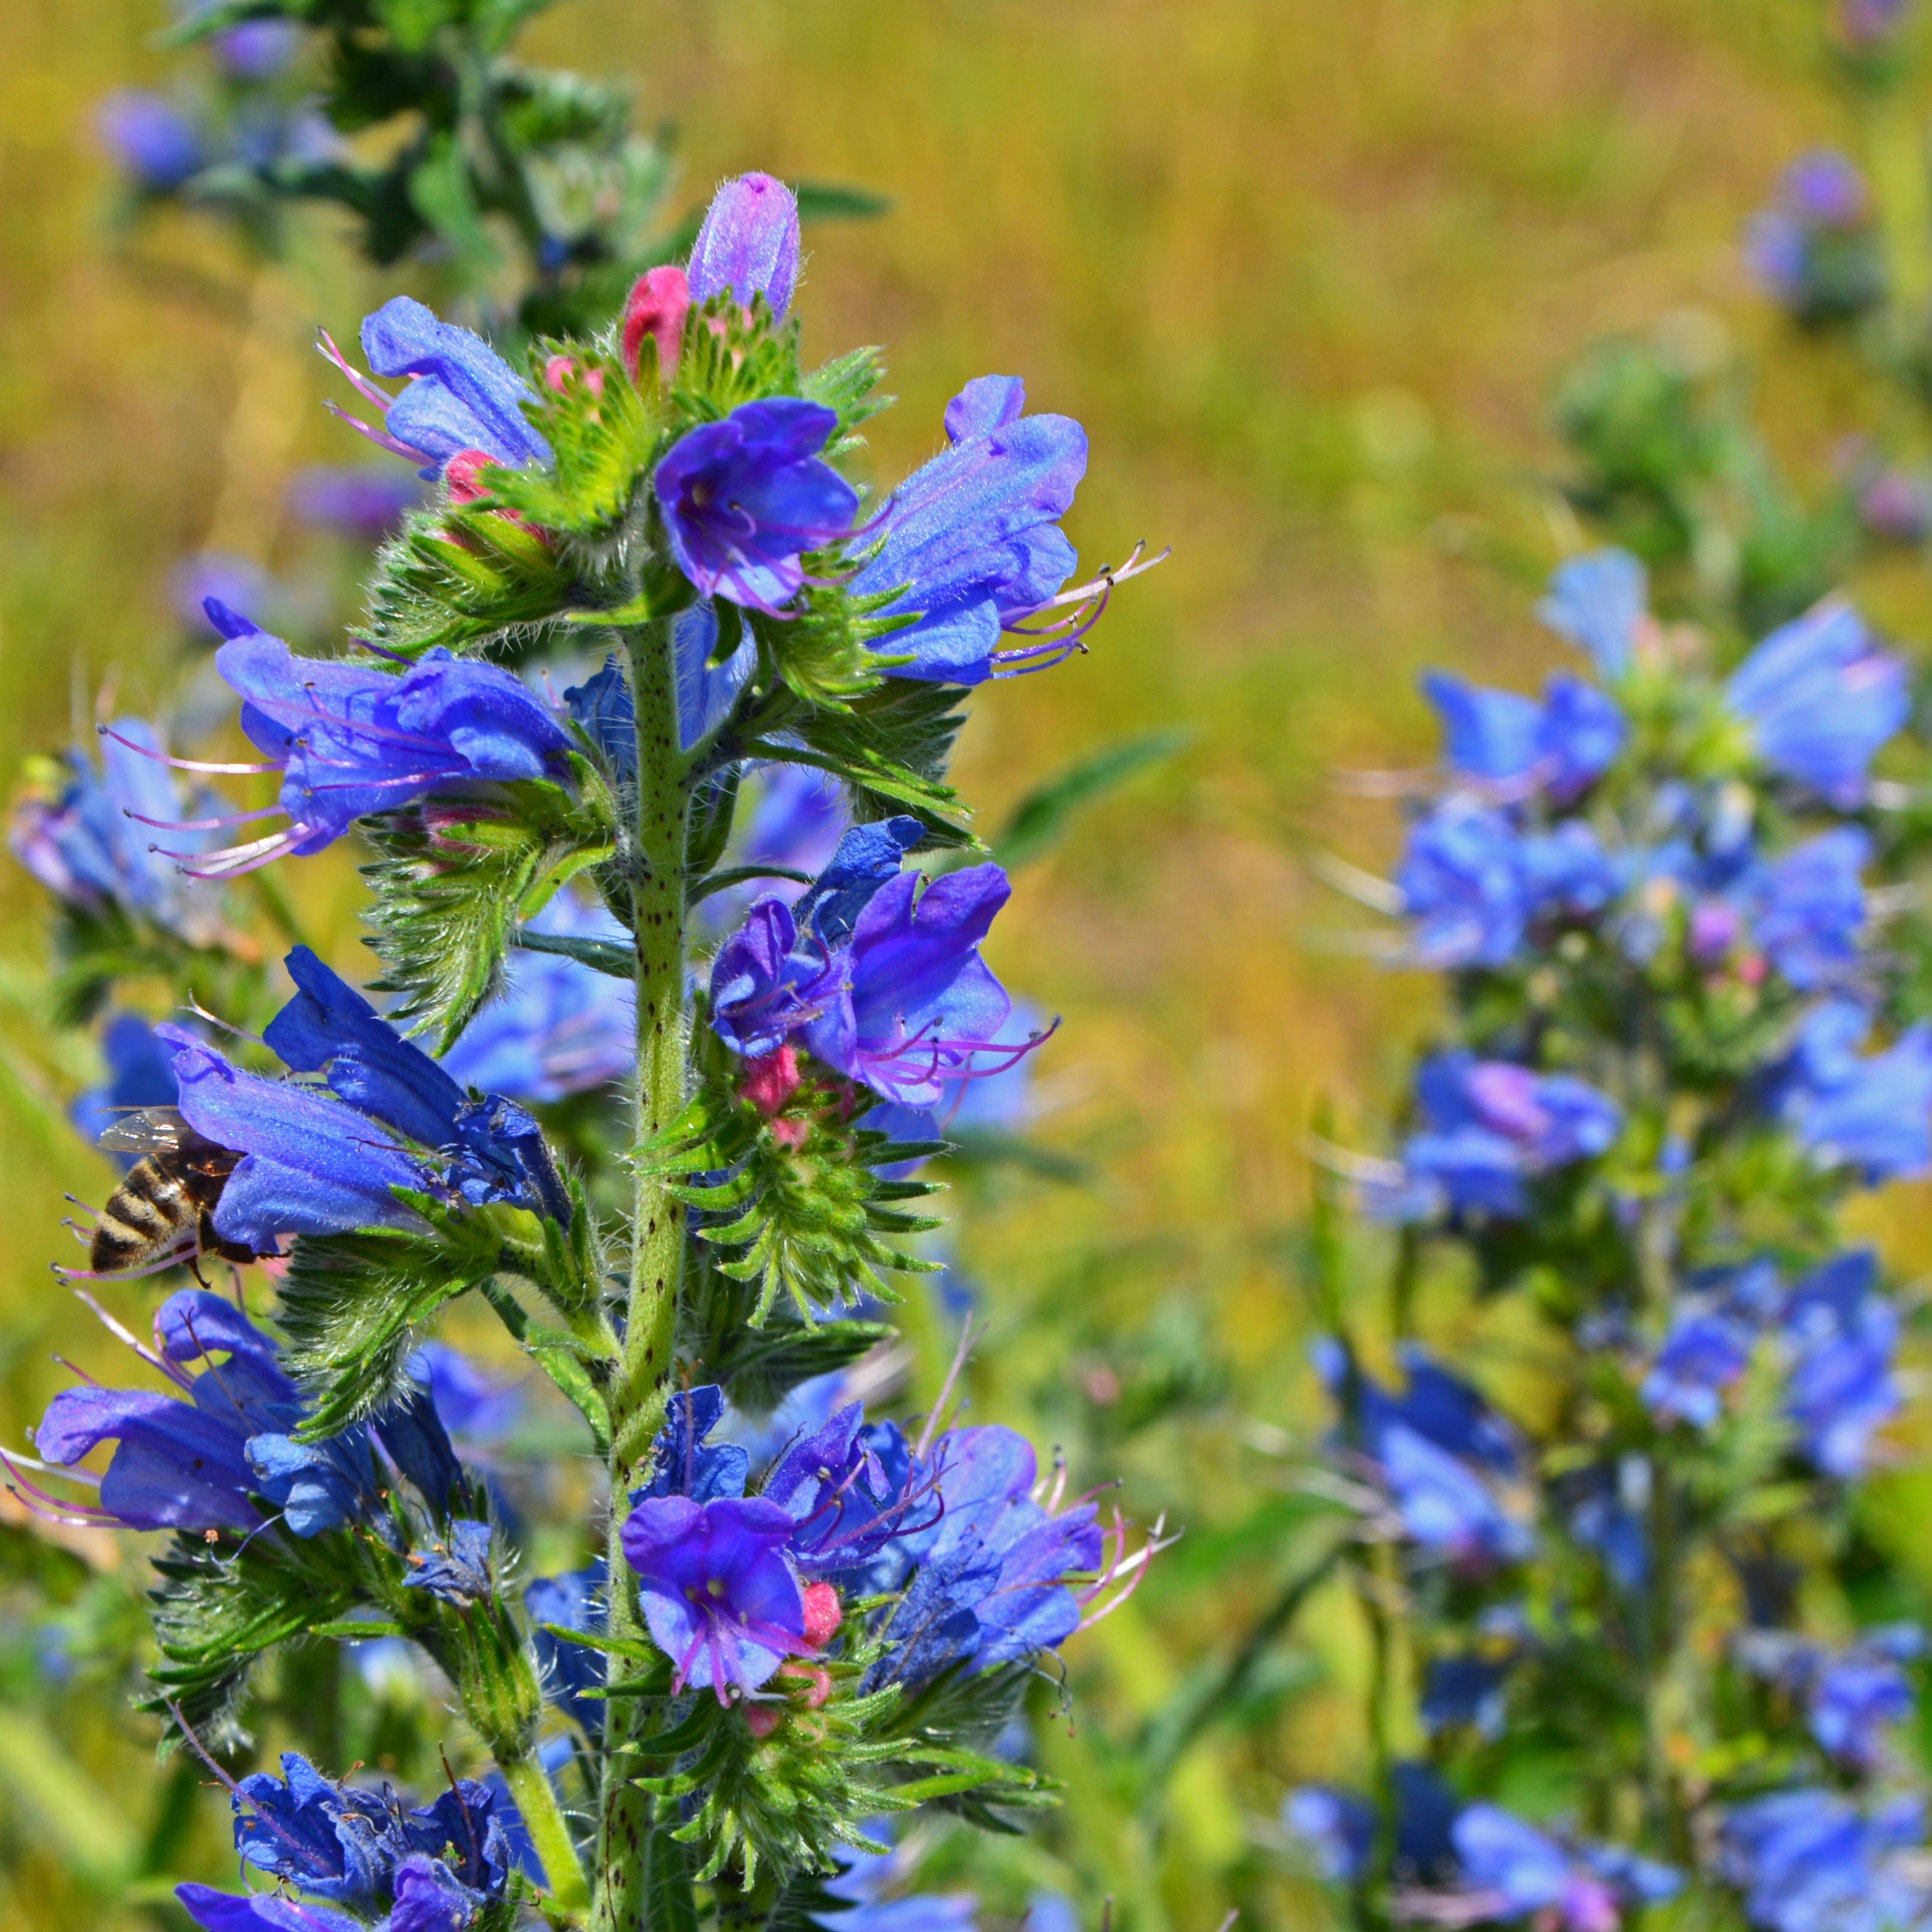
<point x="822" y="1614"/>
<point x="655" y="307"/>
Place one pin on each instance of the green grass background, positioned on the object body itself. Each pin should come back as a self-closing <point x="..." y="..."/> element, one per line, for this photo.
<point x="1306" y="269"/>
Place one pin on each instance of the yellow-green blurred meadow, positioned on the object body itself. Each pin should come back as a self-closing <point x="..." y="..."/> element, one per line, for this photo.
<point x="1306" y="270"/>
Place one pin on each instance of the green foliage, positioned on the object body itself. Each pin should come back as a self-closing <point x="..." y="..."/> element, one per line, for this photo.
<point x="603" y="429"/>
<point x="891" y="747"/>
<point x="354" y="1307"/>
<point x="453" y="877"/>
<point x="218" y="1611"/>
<point x="801" y="1209"/>
<point x="470" y="578"/>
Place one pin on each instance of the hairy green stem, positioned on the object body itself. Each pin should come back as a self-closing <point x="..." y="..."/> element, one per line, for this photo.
<point x="549" y="1831"/>
<point x="643" y="1382"/>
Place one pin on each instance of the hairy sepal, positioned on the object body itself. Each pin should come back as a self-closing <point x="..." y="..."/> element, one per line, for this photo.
<point x="807" y="1215"/>
<point x="453" y="877"/>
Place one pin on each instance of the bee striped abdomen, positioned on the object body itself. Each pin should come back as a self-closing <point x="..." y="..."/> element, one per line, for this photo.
<point x="152" y="1212"/>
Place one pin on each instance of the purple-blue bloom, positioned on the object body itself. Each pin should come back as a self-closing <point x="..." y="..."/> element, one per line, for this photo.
<point x="1598" y="602"/>
<point x="462" y="395"/>
<point x="140" y="1074"/>
<point x="1814" y="250"/>
<point x="1339" y="1828"/>
<point x="971" y="543"/>
<point x="199" y="1464"/>
<point x="91" y="843"/>
<point x="881" y="979"/>
<point x="866" y="1887"/>
<point x="1874" y="1112"/>
<point x="1585" y="1889"/>
<point x="990" y="1577"/>
<point x="1820" y="698"/>
<point x="262" y="1911"/>
<point x="1703" y="1355"/>
<point x="1806" y="908"/>
<point x="1852" y="1696"/>
<point x="748" y="244"/>
<point x="351" y="741"/>
<point x="1843" y="1334"/>
<point x="1516" y="745"/>
<point x="743" y="498"/>
<point x="1810" y="1860"/>
<point x="1473" y="884"/>
<point x="720" y="1598"/>
<point x="152" y="139"/>
<point x="1492" y="1127"/>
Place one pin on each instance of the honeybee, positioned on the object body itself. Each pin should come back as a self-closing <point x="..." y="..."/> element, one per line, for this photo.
<point x="164" y="1210"/>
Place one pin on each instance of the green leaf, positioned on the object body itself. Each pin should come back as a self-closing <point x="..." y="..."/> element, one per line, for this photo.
<point x="1041" y="818"/>
<point x="890" y="748"/>
<point x="467" y="576"/>
<point x="758" y="1367"/>
<point x="354" y="1307"/>
<point x="741" y="875"/>
<point x="562" y="1356"/>
<point x="602" y="956"/>
<point x="453" y="876"/>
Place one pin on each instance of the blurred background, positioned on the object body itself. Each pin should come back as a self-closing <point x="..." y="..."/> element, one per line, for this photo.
<point x="1310" y="274"/>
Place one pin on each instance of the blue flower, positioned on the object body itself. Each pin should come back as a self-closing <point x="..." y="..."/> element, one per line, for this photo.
<point x="1467" y="1690"/>
<point x="1809" y="1860"/>
<point x="1607" y="1503"/>
<point x="367" y="1851"/>
<point x="1806" y="908"/>
<point x="1563" y="746"/>
<point x="455" y="1568"/>
<point x="1820" y="698"/>
<point x="257" y="50"/>
<point x="559" y="1027"/>
<point x="720" y="1598"/>
<point x="1585" y="1889"/>
<point x="151" y="137"/>
<point x="877" y="971"/>
<point x="90" y="839"/>
<point x="1852" y="1696"/>
<point x="350" y="741"/>
<point x="866" y="1890"/>
<point x="266" y="1911"/>
<point x="200" y="1464"/>
<point x="1703" y="1355"/>
<point x="1339" y="1828"/>
<point x="1873" y="1113"/>
<point x="463" y="397"/>
<point x="742" y="499"/>
<point x="748" y="244"/>
<point x="1814" y="249"/>
<point x="990" y="1583"/>
<point x="1492" y="1127"/>
<point x="1438" y="1448"/>
<point x="1473" y="884"/>
<point x="971" y="545"/>
<point x="1844" y="1336"/>
<point x="1598" y="602"/>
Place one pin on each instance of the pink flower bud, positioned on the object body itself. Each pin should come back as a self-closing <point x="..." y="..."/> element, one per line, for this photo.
<point x="558" y="369"/>
<point x="771" y="1080"/>
<point x="823" y="1614"/>
<point x="463" y="473"/>
<point x="655" y="307"/>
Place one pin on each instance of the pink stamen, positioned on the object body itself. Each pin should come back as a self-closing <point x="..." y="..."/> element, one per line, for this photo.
<point x="230" y="865"/>
<point x="381" y="438"/>
<point x="201" y="824"/>
<point x="362" y="384"/>
<point x="247" y="851"/>
<point x="186" y="764"/>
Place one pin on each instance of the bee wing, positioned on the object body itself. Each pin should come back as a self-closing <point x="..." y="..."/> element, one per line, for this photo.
<point x="152" y="1130"/>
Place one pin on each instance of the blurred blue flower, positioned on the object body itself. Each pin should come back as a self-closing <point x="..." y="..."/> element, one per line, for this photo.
<point x="152" y="139"/>
<point x="1872" y="1112"/>
<point x="358" y="502"/>
<point x="140" y="1074"/>
<point x="1562" y="746"/>
<point x="1852" y="1696"/>
<point x="1598" y="602"/>
<point x="1703" y="1355"/>
<point x="1842" y="1388"/>
<point x="1339" y="1828"/>
<point x="1806" y="908"/>
<point x="1815" y="250"/>
<point x="1820" y="698"/>
<point x="1810" y="1860"/>
<point x="1586" y="1889"/>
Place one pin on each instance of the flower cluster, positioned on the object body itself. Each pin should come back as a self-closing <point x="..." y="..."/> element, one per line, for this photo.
<point x="1679" y="1039"/>
<point x="1816" y="249"/>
